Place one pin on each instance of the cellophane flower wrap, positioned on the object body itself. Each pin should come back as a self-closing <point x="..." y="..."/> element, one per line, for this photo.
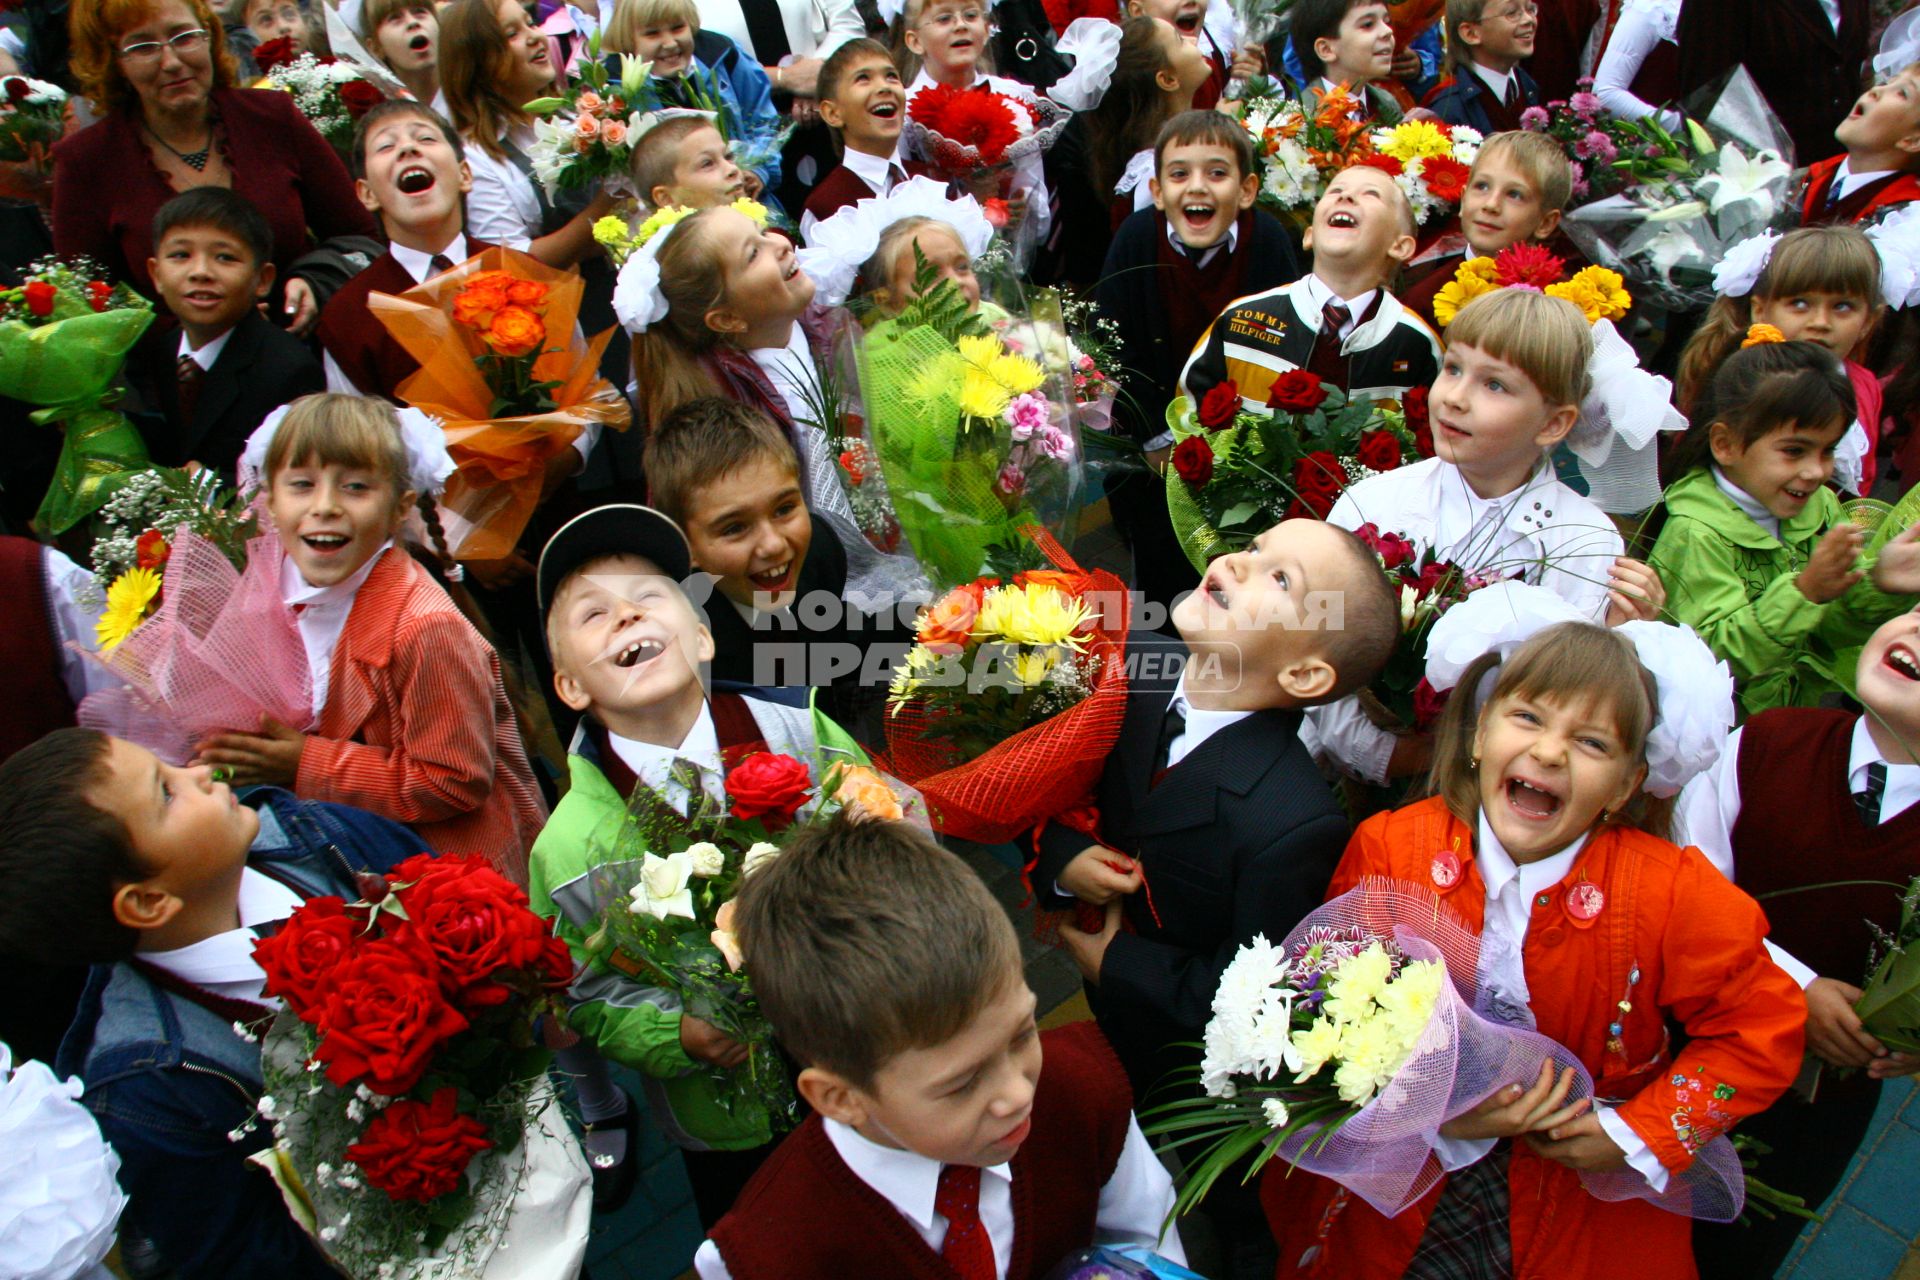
<point x="331" y="94"/>
<point x="211" y="649"/>
<point x="64" y="334"/>
<point x="1607" y="153"/>
<point x="505" y="370"/>
<point x="665" y="893"/>
<point x="1889" y="1005"/>
<point x="1666" y="232"/>
<point x="586" y="133"/>
<point x="1344" y="1049"/>
<point x="1234" y="473"/>
<point x="1007" y="705"/>
<point x="415" y="1131"/>
<point x="134" y="531"/>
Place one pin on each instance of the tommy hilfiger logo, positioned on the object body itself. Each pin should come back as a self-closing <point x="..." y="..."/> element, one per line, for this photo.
<point x="1255" y="324"/>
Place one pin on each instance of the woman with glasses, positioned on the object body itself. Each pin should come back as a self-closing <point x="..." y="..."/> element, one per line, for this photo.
<point x="161" y="76"/>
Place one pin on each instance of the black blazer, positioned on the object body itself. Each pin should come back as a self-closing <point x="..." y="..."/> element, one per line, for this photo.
<point x="261" y="368"/>
<point x="1240" y="838"/>
<point x="1809" y="72"/>
<point x="1468" y="100"/>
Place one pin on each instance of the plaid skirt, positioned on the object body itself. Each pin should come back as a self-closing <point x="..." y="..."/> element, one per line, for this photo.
<point x="1469" y="1236"/>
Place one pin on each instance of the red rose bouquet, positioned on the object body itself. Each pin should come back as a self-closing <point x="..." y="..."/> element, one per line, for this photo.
<point x="963" y="131"/>
<point x="1234" y="473"/>
<point x="405" y="1077"/>
<point x="331" y="94"/>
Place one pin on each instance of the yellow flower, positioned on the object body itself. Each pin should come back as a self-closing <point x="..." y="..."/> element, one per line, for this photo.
<point x="1759" y="334"/>
<point x="981" y="396"/>
<point x="610" y="231"/>
<point x="1033" y="614"/>
<point x="1412" y="139"/>
<point x="752" y="209"/>
<point x="1599" y="293"/>
<point x="1017" y="374"/>
<point x="660" y="221"/>
<point x="1033" y="668"/>
<point x="129" y="600"/>
<point x="980" y="350"/>
<point x="1474" y="278"/>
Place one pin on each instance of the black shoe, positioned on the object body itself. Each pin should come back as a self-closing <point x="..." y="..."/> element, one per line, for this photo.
<point x="613" y="1180"/>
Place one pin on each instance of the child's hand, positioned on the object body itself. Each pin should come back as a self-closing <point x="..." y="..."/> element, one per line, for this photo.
<point x="1834" y="1030"/>
<point x="1579" y="1143"/>
<point x="1249" y="60"/>
<point x="302" y="307"/>
<point x="750" y="184"/>
<point x="1515" y="1110"/>
<point x="1897" y="571"/>
<point x="1098" y="875"/>
<point x="268" y="758"/>
<point x="704" y="1042"/>
<point x="1634" y="593"/>
<point x="1089" y="950"/>
<point x="1830" y="572"/>
<point x="1894" y="1064"/>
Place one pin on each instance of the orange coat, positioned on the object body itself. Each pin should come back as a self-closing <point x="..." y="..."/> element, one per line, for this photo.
<point x="417" y="725"/>
<point x="1695" y="941"/>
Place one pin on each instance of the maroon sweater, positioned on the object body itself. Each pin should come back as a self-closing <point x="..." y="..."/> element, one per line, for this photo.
<point x="370" y="357"/>
<point x="37" y="698"/>
<point x="1798" y="826"/>
<point x="806" y="1214"/>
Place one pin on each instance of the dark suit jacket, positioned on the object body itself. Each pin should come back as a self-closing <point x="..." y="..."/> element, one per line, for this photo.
<point x="261" y="368"/>
<point x="1809" y="73"/>
<point x="1468" y="100"/>
<point x="1241" y="837"/>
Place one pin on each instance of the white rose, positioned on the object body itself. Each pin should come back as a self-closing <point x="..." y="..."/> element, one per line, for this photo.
<point x="758" y="855"/>
<point x="663" y="890"/>
<point x="707" y="858"/>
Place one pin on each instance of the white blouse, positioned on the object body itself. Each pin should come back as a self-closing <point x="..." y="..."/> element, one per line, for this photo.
<point x="815" y="28"/>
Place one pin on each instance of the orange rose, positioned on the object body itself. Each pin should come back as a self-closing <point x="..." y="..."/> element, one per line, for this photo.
<point x="945" y="625"/>
<point x="614" y="133"/>
<point x="515" y="331"/>
<point x="527" y="293"/>
<point x="864" y="793"/>
<point x="587" y="127"/>
<point x="479" y="298"/>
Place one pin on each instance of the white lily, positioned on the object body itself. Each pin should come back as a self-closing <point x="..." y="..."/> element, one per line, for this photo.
<point x="663" y="890"/>
<point x="1740" y="178"/>
<point x="633" y="75"/>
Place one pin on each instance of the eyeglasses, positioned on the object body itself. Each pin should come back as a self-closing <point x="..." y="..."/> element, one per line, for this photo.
<point x="149" y="50"/>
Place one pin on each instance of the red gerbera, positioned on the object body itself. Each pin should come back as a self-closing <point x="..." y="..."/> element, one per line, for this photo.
<point x="1527" y="266"/>
<point x="1386" y="164"/>
<point x="976" y="117"/>
<point x="1446" y="178"/>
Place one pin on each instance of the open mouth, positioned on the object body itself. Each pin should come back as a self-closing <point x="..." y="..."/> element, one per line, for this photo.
<point x="793" y="269"/>
<point x="638" y="652"/>
<point x="1797" y="495"/>
<point x="887" y="109"/>
<point x="205" y="298"/>
<point x="325" y="544"/>
<point x="1903" y="662"/>
<point x="1188" y="22"/>
<point x="1450" y="432"/>
<point x="414" y="179"/>
<point x="1215" y="591"/>
<point x="774" y="580"/>
<point x="1531" y="800"/>
<point x="1342" y="220"/>
<point x="419" y="43"/>
<point x="1197" y="216"/>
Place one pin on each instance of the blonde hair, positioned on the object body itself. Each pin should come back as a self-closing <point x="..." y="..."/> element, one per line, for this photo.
<point x="656" y="157"/>
<point x="909" y="17"/>
<point x="1838" y="260"/>
<point x="475" y="63"/>
<point x="895" y="241"/>
<point x="666" y="357"/>
<point x="1568" y="663"/>
<point x="1548" y="339"/>
<point x="630" y="17"/>
<point x="1540" y="160"/>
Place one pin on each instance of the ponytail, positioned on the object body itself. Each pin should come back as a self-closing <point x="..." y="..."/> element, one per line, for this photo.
<point x="666" y="355"/>
<point x="1724" y="329"/>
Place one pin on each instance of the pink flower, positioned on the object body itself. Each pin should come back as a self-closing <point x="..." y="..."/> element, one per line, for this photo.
<point x="613" y="133"/>
<point x="1027" y="415"/>
<point x="1584" y="104"/>
<point x="1580" y="188"/>
<point x="1651" y="151"/>
<point x="1596" y="146"/>
<point x="1051" y="442"/>
<point x="1534" y="119"/>
<point x="1012" y="481"/>
<point x="588" y="101"/>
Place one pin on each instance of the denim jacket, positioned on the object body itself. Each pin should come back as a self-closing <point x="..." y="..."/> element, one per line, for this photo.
<point x="169" y="1079"/>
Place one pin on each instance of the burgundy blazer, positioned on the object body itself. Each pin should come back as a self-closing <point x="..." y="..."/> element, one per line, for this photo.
<point x="1810" y="73"/>
<point x="106" y="187"/>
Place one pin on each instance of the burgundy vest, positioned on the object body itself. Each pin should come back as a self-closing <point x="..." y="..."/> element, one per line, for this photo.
<point x="1194" y="296"/>
<point x="1798" y="826"/>
<point x="806" y="1214"/>
<point x="358" y="342"/>
<point x="733" y="724"/>
<point x="843" y="187"/>
<point x="37" y="697"/>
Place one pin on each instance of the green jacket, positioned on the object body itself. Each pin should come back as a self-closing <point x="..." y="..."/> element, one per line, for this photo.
<point x="628" y="1022"/>
<point x="1733" y="582"/>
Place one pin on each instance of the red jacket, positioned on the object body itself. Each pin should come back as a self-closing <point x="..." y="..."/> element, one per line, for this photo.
<point x="1694" y="940"/>
<point x="1862" y="204"/>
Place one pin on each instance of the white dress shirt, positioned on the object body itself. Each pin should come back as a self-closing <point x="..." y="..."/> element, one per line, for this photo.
<point x="1027" y="173"/>
<point x="1494" y="80"/>
<point x="321" y="613"/>
<point x="224" y="963"/>
<point x="1180" y="246"/>
<point x="1707" y="809"/>
<point x="880" y="173"/>
<point x="1200" y="725"/>
<point x="1316" y="295"/>
<point x="1133" y="1204"/>
<point x="504" y="206"/>
<point x="815" y="28"/>
<point x="653" y="764"/>
<point x="1642" y="26"/>
<point x="206" y="355"/>
<point x="1845" y="180"/>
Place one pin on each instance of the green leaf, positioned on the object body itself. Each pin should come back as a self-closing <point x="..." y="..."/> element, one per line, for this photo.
<point x="1238" y="513"/>
<point x="544" y="106"/>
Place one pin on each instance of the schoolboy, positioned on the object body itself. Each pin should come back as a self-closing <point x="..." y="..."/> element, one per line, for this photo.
<point x="410" y="172"/>
<point x="629" y="653"/>
<point x="1350" y="43"/>
<point x="1338" y="322"/>
<point x="684" y="160"/>
<point x="1488" y="89"/>
<point x="270" y="20"/>
<point x="1170" y="270"/>
<point x="160" y="878"/>
<point x="1880" y="168"/>
<point x="864" y="102"/>
<point x="949" y="1135"/>
<point x="228" y="366"/>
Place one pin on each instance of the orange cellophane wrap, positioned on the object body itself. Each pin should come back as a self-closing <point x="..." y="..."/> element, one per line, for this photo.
<point x="501" y="461"/>
<point x="1047" y="769"/>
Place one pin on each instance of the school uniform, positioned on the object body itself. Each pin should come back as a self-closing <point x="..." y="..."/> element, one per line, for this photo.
<point x="857" y="177"/>
<point x="1366" y="345"/>
<point x="1803" y="797"/>
<point x="212" y="399"/>
<point x="358" y="354"/>
<point x="830" y="1202"/>
<point x="1804" y="55"/>
<point x="1835" y="194"/>
<point x="1484" y="99"/>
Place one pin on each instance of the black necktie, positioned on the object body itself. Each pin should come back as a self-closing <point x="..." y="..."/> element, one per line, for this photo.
<point x="191" y="376"/>
<point x="1868" y="801"/>
<point x="1172" y="725"/>
<point x="439" y="265"/>
<point x="1513" y="93"/>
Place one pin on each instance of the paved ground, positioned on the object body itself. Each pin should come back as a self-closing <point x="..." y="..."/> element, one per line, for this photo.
<point x="1872" y="1231"/>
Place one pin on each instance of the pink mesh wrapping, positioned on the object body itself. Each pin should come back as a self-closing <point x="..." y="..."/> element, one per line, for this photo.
<point x="221" y="651"/>
<point x="1382" y="1154"/>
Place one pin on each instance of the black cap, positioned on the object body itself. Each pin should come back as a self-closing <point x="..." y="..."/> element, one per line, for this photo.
<point x="618" y="529"/>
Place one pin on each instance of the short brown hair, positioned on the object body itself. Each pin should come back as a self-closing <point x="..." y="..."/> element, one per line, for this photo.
<point x="845" y="56"/>
<point x="1459" y="52"/>
<point x="1548" y="339"/>
<point x="95" y="28"/>
<point x="1190" y="127"/>
<point x="656" y="157"/>
<point x="383" y="111"/>
<point x="866" y="939"/>
<point x="1540" y="160"/>
<point x="1370" y="621"/>
<point x="703" y="441"/>
<point x="629" y="16"/>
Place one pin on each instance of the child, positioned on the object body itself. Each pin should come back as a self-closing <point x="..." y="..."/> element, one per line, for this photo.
<point x="212" y="264"/>
<point x="1877" y="170"/>
<point x="159" y="877"/>
<point x="1538" y="794"/>
<point x="404" y="34"/>
<point x="1339" y="322"/>
<point x="1154" y="79"/>
<point x="276" y="20"/>
<point x="703" y="70"/>
<point x="1509" y="390"/>
<point x="1215" y="33"/>
<point x="863" y="101"/>
<point x="685" y="162"/>
<point x="609" y="585"/>
<point x="1346" y="43"/>
<point x="950" y="1136"/>
<point x="1758" y="554"/>
<point x="411" y="718"/>
<point x="1489" y="89"/>
<point x="1818" y="283"/>
<point x="1168" y="273"/>
<point x="1800" y="798"/>
<point x="1214" y="824"/>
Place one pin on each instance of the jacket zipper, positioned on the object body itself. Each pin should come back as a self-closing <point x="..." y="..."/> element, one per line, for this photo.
<point x="252" y="1099"/>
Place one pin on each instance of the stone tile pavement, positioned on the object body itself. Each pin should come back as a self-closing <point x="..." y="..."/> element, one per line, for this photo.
<point x="1872" y="1231"/>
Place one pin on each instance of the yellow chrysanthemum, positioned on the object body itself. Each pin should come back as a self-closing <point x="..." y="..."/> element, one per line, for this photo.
<point x="752" y="209"/>
<point x="980" y="350"/>
<point x="981" y="396"/>
<point x="610" y="231"/>
<point x="1599" y="293"/>
<point x="1033" y="668"/>
<point x="129" y="600"/>
<point x="1412" y="139"/>
<point x="660" y="221"/>
<point x="1017" y="374"/>
<point x="1035" y="614"/>
<point x="1760" y="335"/>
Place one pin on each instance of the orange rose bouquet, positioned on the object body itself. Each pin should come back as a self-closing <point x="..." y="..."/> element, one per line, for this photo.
<point x="511" y="379"/>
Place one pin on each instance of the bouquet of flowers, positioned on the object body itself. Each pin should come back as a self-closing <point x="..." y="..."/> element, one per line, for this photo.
<point x="331" y="94"/>
<point x="132" y="543"/>
<point x="1429" y="160"/>
<point x="587" y="133"/>
<point x="668" y="892"/>
<point x="33" y="115"/>
<point x="405" y="1082"/>
<point x="1233" y="473"/>
<point x="1005" y="708"/>
<point x="505" y="370"/>
<point x="1608" y="153"/>
<point x="963" y="131"/>
<point x="63" y="336"/>
<point x="1889" y="1005"/>
<point x="1093" y="363"/>
<point x="1599" y="293"/>
<point x="1345" y="1048"/>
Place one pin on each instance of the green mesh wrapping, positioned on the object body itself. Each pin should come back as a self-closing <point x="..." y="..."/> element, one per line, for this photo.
<point x="1198" y="537"/>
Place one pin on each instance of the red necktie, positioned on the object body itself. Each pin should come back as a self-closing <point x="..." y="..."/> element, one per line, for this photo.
<point x="191" y="377"/>
<point x="957" y="1199"/>
<point x="439" y="264"/>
